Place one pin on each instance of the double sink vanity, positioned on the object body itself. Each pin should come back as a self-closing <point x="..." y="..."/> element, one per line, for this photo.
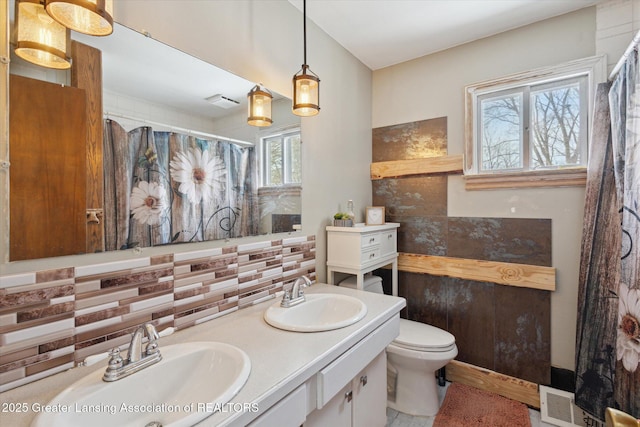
<point x="320" y="361"/>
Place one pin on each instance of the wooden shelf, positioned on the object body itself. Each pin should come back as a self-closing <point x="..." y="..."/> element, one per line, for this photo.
<point x="502" y="273"/>
<point x="425" y="166"/>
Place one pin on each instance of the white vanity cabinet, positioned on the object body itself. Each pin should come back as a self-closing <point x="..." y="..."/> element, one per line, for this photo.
<point x="361" y="403"/>
<point x="359" y="250"/>
<point x="289" y="412"/>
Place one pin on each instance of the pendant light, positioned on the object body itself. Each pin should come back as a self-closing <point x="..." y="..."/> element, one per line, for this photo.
<point x="92" y="17"/>
<point x="40" y="39"/>
<point x="306" y="84"/>
<point x="259" y="101"/>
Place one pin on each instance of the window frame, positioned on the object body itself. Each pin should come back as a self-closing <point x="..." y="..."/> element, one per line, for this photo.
<point x="264" y="161"/>
<point x="593" y="68"/>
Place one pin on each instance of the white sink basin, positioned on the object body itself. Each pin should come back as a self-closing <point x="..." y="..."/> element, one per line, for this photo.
<point x="320" y="312"/>
<point x="185" y="387"/>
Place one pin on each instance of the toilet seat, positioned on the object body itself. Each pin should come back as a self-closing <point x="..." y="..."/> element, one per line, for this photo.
<point x="418" y="336"/>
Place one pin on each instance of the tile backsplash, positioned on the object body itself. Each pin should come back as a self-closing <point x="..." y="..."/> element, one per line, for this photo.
<point x="52" y="320"/>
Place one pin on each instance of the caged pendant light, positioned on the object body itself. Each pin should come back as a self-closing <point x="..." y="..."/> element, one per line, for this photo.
<point x="259" y="102"/>
<point x="39" y="38"/>
<point x="92" y="17"/>
<point x="306" y="84"/>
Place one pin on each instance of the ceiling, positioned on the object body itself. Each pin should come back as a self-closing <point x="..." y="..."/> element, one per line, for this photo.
<point x="145" y="68"/>
<point x="381" y="33"/>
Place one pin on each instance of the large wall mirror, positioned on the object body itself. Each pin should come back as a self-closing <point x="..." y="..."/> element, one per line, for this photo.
<point x="175" y="161"/>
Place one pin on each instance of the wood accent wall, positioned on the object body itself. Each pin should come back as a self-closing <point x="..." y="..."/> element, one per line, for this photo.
<point x="86" y="73"/>
<point x="485" y="280"/>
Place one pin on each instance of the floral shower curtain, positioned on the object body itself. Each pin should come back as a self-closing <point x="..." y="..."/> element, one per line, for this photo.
<point x="608" y="334"/>
<point x="163" y="187"/>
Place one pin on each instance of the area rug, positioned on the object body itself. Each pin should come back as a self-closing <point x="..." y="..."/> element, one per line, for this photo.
<point x="466" y="406"/>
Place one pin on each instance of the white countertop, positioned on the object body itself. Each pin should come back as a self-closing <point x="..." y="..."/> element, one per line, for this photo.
<point x="280" y="360"/>
<point x="364" y="228"/>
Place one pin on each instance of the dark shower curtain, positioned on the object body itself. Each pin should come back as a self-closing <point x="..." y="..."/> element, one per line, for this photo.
<point x="608" y="332"/>
<point x="163" y="187"/>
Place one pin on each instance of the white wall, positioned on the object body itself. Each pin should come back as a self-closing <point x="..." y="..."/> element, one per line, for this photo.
<point x="261" y="40"/>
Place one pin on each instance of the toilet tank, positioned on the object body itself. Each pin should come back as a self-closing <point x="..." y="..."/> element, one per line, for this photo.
<point x="371" y="283"/>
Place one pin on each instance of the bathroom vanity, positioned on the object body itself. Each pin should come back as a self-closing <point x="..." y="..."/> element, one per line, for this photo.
<point x="361" y="249"/>
<point x="296" y="378"/>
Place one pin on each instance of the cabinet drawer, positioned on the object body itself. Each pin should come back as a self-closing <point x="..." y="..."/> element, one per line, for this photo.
<point x="339" y="372"/>
<point x="368" y="240"/>
<point x="370" y="256"/>
<point x="290" y="411"/>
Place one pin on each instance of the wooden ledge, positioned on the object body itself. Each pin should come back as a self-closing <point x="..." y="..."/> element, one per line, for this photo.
<point x="486" y="379"/>
<point x="426" y="166"/>
<point x="502" y="273"/>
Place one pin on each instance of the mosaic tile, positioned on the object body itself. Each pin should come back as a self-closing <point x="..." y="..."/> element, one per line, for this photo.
<point x="51" y="320"/>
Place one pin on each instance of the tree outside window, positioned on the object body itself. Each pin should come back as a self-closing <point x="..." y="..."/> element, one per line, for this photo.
<point x="531" y="129"/>
<point x="281" y="160"/>
<point x="534" y="127"/>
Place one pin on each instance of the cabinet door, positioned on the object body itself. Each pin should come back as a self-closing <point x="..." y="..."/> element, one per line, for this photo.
<point x="388" y="243"/>
<point x="48" y="212"/>
<point x="370" y="394"/>
<point x="336" y="412"/>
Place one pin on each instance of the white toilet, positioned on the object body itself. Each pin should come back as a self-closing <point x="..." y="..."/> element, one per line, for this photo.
<point x="412" y="360"/>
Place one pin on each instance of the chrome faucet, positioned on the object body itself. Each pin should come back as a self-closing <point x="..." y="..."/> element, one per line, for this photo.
<point x="136" y="359"/>
<point x="295" y="295"/>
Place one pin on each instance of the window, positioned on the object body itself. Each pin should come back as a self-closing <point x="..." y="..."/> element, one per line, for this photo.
<point x="534" y="127"/>
<point x="280" y="159"/>
<point x="534" y="123"/>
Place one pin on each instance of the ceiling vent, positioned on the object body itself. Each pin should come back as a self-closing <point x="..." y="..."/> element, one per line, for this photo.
<point x="222" y="101"/>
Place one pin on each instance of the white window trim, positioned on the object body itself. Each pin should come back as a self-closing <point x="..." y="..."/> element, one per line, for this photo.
<point x="595" y="68"/>
<point x="272" y="133"/>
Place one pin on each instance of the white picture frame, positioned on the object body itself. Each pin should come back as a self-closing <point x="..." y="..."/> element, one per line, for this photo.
<point x="374" y="215"/>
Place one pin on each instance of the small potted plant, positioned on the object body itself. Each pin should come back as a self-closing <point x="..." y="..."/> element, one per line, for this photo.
<point x="342" y="219"/>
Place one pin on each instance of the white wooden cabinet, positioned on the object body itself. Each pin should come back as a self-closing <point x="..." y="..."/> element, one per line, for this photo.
<point x="352" y="390"/>
<point x="361" y="403"/>
<point x="289" y="412"/>
<point x="359" y="250"/>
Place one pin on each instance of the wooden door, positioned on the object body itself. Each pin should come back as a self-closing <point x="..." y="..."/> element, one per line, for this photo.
<point x="47" y="140"/>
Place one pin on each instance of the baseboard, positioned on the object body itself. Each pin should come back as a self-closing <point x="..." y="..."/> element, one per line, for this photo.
<point x="486" y="379"/>
<point x="563" y="379"/>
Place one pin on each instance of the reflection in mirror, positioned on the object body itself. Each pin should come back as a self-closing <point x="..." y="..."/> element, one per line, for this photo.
<point x="172" y="123"/>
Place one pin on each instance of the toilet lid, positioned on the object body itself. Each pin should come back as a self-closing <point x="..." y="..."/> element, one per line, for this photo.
<point x="420" y="336"/>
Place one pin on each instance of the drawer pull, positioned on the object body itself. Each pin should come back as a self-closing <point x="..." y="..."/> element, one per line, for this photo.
<point x="373" y="255"/>
<point x="363" y="380"/>
<point x="371" y="240"/>
<point x="348" y="395"/>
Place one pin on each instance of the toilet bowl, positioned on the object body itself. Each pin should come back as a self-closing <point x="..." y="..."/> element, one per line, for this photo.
<point x="412" y="360"/>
